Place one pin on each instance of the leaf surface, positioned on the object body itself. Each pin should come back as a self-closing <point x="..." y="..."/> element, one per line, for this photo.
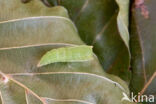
<point x="15" y="9"/>
<point x="25" y="38"/>
<point x="143" y="40"/>
<point x="103" y="24"/>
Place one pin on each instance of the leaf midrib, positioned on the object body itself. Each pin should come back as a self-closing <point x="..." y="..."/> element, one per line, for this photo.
<point x="10" y="77"/>
<point x="142" y="53"/>
<point x="76" y="73"/>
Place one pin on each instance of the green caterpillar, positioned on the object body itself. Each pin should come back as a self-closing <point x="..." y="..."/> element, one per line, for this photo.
<point x="67" y="54"/>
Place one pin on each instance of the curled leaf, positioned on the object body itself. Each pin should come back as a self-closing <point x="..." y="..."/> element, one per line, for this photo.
<point x="104" y="25"/>
<point x="143" y="39"/>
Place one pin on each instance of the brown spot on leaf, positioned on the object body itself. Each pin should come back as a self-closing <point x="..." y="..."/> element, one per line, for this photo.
<point x="3" y="78"/>
<point x="140" y="4"/>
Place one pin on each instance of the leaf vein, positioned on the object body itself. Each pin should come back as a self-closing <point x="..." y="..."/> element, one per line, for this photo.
<point x="1" y="97"/>
<point x="22" y="85"/>
<point x="76" y="73"/>
<point x="81" y="10"/>
<point x="98" y="35"/>
<point x="142" y="53"/>
<point x="26" y="46"/>
<point x="68" y="100"/>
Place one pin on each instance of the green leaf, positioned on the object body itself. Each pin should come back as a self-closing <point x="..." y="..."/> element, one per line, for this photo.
<point x="17" y="10"/>
<point x="67" y="54"/>
<point x="29" y="34"/>
<point x="25" y="37"/>
<point x="104" y="25"/>
<point x="143" y="40"/>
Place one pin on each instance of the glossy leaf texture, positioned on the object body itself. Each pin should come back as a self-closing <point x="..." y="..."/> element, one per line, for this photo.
<point x="143" y="40"/>
<point x="103" y="24"/>
<point x="25" y="36"/>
